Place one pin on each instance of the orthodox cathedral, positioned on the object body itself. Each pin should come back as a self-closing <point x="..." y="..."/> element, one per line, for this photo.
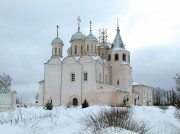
<point x="94" y="69"/>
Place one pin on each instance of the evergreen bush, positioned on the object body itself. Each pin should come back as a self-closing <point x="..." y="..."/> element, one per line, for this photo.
<point x="85" y="104"/>
<point x="48" y="105"/>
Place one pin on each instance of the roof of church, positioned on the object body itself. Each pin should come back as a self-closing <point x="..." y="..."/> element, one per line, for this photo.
<point x="139" y="84"/>
<point x="118" y="43"/>
<point x="91" y="37"/>
<point x="57" y="40"/>
<point x="78" y="36"/>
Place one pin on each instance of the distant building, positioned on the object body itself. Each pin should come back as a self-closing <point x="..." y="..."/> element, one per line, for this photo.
<point x="94" y="70"/>
<point x="7" y="101"/>
<point x="142" y="94"/>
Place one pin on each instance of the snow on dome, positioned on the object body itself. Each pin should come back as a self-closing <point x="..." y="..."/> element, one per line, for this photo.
<point x="91" y="37"/>
<point x="57" y="40"/>
<point x="78" y="36"/>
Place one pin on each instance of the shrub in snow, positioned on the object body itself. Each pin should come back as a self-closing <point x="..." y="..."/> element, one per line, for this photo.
<point x="164" y="108"/>
<point x="114" y="117"/>
<point x="48" y="105"/>
<point x="85" y="104"/>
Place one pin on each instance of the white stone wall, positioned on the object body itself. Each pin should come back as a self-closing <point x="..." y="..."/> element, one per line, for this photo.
<point x="59" y="87"/>
<point x="52" y="81"/>
<point x="145" y="94"/>
<point x="7" y="101"/>
<point x="41" y="93"/>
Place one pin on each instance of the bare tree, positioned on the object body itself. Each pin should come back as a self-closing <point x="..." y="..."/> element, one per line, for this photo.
<point x="5" y="83"/>
<point x="177" y="80"/>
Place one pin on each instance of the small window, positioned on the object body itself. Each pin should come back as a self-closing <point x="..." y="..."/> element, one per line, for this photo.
<point x="72" y="76"/>
<point x="117" y="82"/>
<point x="55" y="51"/>
<point x="116" y="57"/>
<point x="91" y="47"/>
<point x="87" y="47"/>
<point x="59" y="51"/>
<point x="85" y="76"/>
<point x="124" y="57"/>
<point x="109" y="57"/>
<point x="81" y="49"/>
<point x="75" y="49"/>
<point x="106" y="79"/>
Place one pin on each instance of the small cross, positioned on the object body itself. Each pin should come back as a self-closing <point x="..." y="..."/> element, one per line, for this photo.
<point x="90" y="26"/>
<point x="117" y="23"/>
<point x="79" y="20"/>
<point x="57" y="29"/>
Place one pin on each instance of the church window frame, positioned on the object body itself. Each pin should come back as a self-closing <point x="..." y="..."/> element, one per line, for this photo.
<point x="124" y="57"/>
<point x="72" y="77"/>
<point x="109" y="57"/>
<point x="85" y="76"/>
<point x="116" y="57"/>
<point x="117" y="82"/>
<point x="75" y="50"/>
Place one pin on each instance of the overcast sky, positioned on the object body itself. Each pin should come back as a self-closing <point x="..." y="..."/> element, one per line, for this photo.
<point x="150" y="30"/>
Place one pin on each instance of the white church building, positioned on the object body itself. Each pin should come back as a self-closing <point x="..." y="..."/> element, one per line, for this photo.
<point x="94" y="69"/>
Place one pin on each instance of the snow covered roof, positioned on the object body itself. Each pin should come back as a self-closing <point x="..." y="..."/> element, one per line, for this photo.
<point x="138" y="84"/>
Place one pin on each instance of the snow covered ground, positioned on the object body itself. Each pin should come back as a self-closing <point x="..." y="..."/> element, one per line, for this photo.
<point x="61" y="120"/>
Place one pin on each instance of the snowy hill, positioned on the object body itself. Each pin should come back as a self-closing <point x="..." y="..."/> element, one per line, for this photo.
<point x="61" y="120"/>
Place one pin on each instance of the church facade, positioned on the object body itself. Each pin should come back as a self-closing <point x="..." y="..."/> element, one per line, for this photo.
<point x="94" y="69"/>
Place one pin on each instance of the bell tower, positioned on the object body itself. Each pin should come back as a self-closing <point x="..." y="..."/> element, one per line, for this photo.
<point x="119" y="58"/>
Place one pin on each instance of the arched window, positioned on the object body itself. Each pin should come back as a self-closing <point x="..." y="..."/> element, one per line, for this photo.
<point x="87" y="47"/>
<point x="59" y="51"/>
<point x="124" y="57"/>
<point x="81" y="49"/>
<point x="91" y="47"/>
<point x="75" y="49"/>
<point x="116" y="57"/>
<point x="55" y="51"/>
<point x="117" y="82"/>
<point x="109" y="57"/>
